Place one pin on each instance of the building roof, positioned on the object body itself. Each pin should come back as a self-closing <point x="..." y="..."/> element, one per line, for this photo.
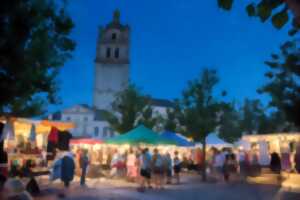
<point x="162" y="102"/>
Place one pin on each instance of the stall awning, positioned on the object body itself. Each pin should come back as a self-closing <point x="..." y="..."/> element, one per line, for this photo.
<point x="140" y="135"/>
<point x="178" y="139"/>
<point x="85" y="141"/>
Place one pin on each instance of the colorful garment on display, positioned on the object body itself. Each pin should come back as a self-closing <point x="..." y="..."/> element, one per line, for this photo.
<point x="52" y="143"/>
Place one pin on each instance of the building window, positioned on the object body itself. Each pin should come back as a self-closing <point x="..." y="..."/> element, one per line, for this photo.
<point x="96" y="131"/>
<point x="114" y="36"/>
<point x="105" y="132"/>
<point x="111" y="132"/>
<point x="108" y="53"/>
<point x="85" y="119"/>
<point x="117" y="53"/>
<point x="68" y="118"/>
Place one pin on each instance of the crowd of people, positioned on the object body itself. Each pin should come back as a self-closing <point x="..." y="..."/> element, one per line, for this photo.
<point x="150" y="168"/>
<point x="138" y="165"/>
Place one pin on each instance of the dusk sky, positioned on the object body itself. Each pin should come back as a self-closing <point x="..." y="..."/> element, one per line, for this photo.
<point x="171" y="42"/>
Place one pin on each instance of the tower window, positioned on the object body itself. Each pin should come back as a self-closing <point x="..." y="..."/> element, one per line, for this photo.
<point x="114" y="36"/>
<point x="108" y="53"/>
<point x="117" y="53"/>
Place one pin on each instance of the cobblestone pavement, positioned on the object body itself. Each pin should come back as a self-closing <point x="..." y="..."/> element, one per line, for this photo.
<point x="190" y="189"/>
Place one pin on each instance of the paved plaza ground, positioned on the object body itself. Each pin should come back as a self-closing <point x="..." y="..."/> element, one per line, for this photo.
<point x="190" y="189"/>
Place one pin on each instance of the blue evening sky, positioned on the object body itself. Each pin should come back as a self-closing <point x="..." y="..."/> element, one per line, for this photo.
<point x="171" y="42"/>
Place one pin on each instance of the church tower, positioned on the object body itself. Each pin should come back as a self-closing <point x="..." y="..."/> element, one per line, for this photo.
<point x="111" y="63"/>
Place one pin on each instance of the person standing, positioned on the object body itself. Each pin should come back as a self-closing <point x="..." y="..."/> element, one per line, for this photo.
<point x="84" y="162"/>
<point x="218" y="164"/>
<point x="275" y="164"/>
<point x="158" y="169"/>
<point x="242" y="164"/>
<point x="177" y="167"/>
<point x="168" y="167"/>
<point x="145" y="170"/>
<point x="297" y="159"/>
<point x="131" y="165"/>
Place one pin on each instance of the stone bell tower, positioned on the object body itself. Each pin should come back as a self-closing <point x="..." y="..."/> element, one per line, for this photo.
<point x="111" y="63"/>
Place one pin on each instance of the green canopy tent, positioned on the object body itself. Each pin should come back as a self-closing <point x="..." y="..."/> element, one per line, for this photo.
<point x="139" y="135"/>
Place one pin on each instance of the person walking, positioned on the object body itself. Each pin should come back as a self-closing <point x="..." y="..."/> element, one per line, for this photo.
<point x="67" y="171"/>
<point x="177" y="167"/>
<point x="84" y="162"/>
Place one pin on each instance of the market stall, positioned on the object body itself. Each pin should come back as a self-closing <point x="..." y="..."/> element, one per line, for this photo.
<point x="277" y="142"/>
<point x="26" y="141"/>
<point x="140" y="135"/>
<point x="178" y="139"/>
<point x="213" y="140"/>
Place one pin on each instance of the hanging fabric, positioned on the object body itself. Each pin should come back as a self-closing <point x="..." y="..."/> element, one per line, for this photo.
<point x="1" y="136"/>
<point x="32" y="134"/>
<point x="64" y="138"/>
<point x="8" y="131"/>
<point x="52" y="143"/>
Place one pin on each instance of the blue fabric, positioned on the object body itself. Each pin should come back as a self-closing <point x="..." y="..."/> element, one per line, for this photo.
<point x="178" y="139"/>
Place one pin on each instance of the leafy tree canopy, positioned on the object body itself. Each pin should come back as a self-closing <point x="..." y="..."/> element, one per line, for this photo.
<point x="34" y="44"/>
<point x="283" y="81"/>
<point x="278" y="11"/>
<point x="130" y="108"/>
<point x="230" y="127"/>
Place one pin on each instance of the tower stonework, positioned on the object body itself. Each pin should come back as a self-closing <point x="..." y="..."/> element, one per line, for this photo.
<point x="111" y="63"/>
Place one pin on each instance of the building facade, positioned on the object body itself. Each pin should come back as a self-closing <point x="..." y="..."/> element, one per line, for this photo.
<point x="111" y="63"/>
<point x="89" y="122"/>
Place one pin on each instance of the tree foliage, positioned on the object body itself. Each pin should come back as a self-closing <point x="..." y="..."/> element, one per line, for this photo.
<point x="34" y="44"/>
<point x="200" y="109"/>
<point x="130" y="108"/>
<point x="278" y="11"/>
<point x="283" y="81"/>
<point x="230" y="123"/>
<point x="173" y="119"/>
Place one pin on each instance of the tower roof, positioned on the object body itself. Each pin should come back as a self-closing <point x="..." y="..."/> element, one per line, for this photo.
<point x="116" y="16"/>
<point x="116" y="24"/>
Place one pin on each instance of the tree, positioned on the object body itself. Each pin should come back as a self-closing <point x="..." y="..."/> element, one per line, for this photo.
<point x="283" y="81"/>
<point x="129" y="109"/>
<point x="172" y="121"/>
<point x="147" y="117"/>
<point x="276" y="10"/>
<point x="230" y="127"/>
<point x="252" y="111"/>
<point x="200" y="109"/>
<point x="34" y="44"/>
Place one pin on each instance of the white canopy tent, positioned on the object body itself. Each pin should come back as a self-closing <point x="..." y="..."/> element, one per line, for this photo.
<point x="213" y="140"/>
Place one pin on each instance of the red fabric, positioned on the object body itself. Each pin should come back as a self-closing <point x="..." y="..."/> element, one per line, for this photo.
<point x="53" y="136"/>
